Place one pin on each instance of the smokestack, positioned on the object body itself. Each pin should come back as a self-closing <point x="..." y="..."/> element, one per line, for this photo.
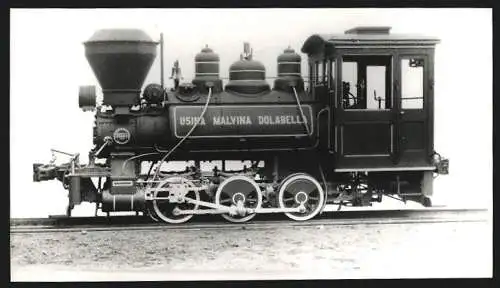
<point x="120" y="59"/>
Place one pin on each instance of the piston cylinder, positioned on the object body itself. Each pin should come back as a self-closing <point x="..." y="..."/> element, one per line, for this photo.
<point x="123" y="202"/>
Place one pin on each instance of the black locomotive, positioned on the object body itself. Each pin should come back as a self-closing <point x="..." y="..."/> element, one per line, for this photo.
<point x="360" y="129"/>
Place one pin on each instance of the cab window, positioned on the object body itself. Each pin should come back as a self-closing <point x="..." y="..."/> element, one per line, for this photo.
<point x="412" y="83"/>
<point x="366" y="82"/>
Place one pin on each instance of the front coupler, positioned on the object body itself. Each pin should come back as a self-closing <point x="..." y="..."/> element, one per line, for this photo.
<point x="74" y="177"/>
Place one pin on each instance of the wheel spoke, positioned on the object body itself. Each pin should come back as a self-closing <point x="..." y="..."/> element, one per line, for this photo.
<point x="249" y="192"/>
<point x="295" y="186"/>
<point x="163" y="209"/>
<point x="225" y="200"/>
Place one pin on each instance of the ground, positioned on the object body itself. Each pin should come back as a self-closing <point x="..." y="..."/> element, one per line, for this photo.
<point x="426" y="250"/>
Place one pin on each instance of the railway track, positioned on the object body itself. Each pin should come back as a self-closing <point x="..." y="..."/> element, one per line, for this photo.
<point x="350" y="217"/>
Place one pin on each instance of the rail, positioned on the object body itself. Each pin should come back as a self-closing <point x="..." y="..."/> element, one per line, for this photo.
<point x="353" y="217"/>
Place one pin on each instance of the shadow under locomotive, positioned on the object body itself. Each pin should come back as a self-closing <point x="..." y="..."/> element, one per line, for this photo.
<point x="308" y="146"/>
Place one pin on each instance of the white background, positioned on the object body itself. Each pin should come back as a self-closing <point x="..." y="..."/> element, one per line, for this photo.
<point x="48" y="65"/>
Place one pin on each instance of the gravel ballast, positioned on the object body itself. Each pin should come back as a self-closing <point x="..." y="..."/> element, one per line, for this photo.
<point x="426" y="250"/>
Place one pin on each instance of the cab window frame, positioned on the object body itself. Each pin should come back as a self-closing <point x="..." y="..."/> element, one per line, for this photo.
<point x="350" y="57"/>
<point x="409" y="57"/>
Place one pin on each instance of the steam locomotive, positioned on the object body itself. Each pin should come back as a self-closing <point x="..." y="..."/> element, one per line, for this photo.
<point x="309" y="146"/>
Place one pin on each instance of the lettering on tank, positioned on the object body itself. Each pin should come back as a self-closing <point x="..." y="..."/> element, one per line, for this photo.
<point x="236" y="121"/>
<point x="190" y="121"/>
<point x="231" y="120"/>
<point x="281" y="120"/>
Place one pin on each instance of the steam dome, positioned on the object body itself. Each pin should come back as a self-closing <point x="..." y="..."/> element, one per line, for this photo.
<point x="247" y="77"/>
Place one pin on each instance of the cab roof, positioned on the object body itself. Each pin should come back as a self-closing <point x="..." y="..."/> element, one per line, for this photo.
<point x="363" y="37"/>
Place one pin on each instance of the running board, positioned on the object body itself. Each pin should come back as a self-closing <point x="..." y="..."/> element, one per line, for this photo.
<point x="382" y="169"/>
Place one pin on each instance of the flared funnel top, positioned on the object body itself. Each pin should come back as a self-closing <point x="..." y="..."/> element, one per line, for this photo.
<point x="120" y="58"/>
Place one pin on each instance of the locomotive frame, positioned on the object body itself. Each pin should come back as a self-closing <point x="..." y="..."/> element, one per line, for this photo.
<point x="326" y="146"/>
